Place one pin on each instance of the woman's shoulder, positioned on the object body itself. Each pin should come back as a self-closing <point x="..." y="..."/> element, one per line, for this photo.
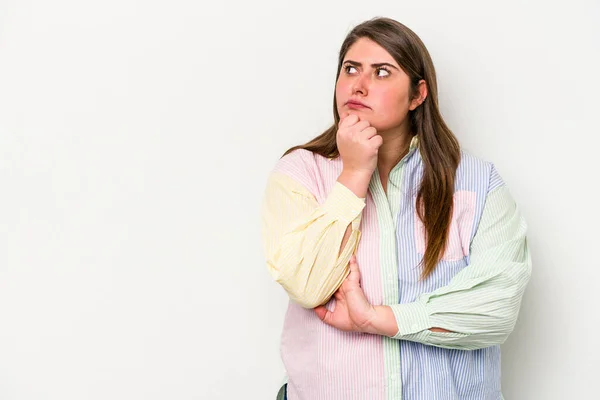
<point x="311" y="170"/>
<point x="478" y="171"/>
<point x="296" y="162"/>
<point x="468" y="157"/>
<point x="304" y="162"/>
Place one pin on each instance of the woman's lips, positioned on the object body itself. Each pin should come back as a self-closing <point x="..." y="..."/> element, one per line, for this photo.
<point x="356" y="105"/>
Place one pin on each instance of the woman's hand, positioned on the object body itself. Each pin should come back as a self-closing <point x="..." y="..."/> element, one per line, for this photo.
<point x="358" y="144"/>
<point x="352" y="311"/>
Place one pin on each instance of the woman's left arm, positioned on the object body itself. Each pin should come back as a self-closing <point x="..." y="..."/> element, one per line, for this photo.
<point x="480" y="305"/>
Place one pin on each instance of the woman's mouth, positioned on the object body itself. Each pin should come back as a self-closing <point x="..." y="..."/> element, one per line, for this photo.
<point x="356" y="105"/>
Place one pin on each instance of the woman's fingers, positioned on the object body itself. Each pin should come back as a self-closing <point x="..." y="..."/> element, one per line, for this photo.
<point x="354" y="275"/>
<point x="348" y="120"/>
<point x="321" y="312"/>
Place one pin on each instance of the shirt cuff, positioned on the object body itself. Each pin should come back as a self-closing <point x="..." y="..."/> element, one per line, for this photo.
<point x="342" y="204"/>
<point x="411" y="318"/>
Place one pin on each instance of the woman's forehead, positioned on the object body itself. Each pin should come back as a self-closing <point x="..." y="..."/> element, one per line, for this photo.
<point x="366" y="51"/>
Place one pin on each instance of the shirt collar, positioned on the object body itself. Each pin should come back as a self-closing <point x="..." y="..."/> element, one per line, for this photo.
<point x="414" y="143"/>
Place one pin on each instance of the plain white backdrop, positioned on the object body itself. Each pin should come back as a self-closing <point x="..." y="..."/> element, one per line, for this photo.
<point x="135" y="142"/>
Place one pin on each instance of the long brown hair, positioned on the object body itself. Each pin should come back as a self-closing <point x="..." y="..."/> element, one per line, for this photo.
<point x="438" y="146"/>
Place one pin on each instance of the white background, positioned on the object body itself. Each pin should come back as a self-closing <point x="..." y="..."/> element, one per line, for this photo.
<point x="135" y="142"/>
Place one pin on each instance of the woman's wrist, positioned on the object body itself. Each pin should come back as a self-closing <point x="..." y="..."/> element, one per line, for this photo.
<point x="356" y="181"/>
<point x="384" y="323"/>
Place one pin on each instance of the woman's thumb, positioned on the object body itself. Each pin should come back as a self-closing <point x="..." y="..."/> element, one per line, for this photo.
<point x="354" y="271"/>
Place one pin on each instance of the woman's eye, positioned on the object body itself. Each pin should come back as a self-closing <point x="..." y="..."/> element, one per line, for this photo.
<point x="384" y="70"/>
<point x="380" y="72"/>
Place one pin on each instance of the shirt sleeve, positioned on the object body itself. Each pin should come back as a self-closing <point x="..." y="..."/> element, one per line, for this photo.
<point x="480" y="305"/>
<point x="302" y="238"/>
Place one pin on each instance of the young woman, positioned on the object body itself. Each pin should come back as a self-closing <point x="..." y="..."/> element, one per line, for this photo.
<point x="404" y="257"/>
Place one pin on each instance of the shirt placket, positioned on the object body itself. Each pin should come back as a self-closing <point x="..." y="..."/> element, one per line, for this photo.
<point x="387" y="212"/>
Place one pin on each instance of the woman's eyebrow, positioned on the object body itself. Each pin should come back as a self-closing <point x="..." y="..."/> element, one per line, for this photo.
<point x="357" y="64"/>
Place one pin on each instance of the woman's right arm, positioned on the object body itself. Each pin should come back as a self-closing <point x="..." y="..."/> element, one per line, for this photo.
<point x="308" y="245"/>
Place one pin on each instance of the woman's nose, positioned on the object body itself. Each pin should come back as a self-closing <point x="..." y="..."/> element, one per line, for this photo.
<point x="360" y="85"/>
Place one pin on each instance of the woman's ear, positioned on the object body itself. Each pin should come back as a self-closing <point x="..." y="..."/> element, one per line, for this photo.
<point x="421" y="95"/>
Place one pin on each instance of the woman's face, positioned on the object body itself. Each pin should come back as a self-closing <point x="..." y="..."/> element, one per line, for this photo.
<point x="371" y="76"/>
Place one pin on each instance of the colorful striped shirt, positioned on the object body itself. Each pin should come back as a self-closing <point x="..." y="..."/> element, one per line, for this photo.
<point x="474" y="292"/>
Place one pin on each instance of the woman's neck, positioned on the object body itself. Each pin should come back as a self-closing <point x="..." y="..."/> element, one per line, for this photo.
<point x="395" y="146"/>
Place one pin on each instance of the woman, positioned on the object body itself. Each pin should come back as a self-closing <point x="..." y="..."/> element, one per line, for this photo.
<point x="390" y="300"/>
